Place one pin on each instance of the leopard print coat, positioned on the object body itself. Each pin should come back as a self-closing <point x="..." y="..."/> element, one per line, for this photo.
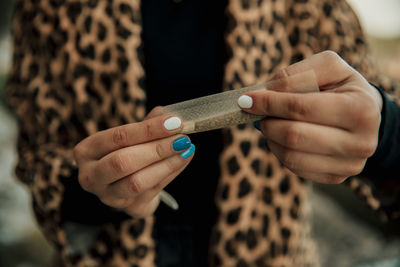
<point x="77" y="69"/>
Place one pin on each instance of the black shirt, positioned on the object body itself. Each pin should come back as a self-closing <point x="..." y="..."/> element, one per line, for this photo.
<point x="183" y="58"/>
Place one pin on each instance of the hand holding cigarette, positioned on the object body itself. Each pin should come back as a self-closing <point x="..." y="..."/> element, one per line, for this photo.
<point x="325" y="136"/>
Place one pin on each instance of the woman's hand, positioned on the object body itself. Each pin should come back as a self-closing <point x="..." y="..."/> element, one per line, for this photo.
<point x="128" y="166"/>
<point x="325" y="136"/>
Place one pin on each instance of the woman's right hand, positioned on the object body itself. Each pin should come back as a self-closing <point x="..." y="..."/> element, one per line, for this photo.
<point x="128" y="166"/>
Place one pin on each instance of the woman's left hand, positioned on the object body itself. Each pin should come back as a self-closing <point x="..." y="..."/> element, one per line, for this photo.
<point x="325" y="136"/>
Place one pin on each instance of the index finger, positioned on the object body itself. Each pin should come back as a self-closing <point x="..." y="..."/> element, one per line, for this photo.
<point x="104" y="142"/>
<point x="320" y="108"/>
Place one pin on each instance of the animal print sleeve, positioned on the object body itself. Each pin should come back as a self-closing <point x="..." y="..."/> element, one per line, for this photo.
<point x="339" y="30"/>
<point x="48" y="129"/>
<point x="62" y="88"/>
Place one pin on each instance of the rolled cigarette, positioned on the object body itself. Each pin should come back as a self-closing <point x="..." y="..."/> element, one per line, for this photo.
<point x="221" y="110"/>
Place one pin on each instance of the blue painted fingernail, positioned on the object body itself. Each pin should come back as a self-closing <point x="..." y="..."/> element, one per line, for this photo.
<point x="189" y="152"/>
<point x="181" y="143"/>
<point x="256" y="125"/>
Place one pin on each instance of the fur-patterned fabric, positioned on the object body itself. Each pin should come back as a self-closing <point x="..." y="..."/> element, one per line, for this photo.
<point x="77" y="69"/>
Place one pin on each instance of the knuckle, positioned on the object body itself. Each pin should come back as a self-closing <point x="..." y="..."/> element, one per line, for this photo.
<point x="79" y="152"/>
<point x="118" y="164"/>
<point x="363" y="150"/>
<point x="364" y="115"/>
<point x="148" y="131"/>
<point x="288" y="160"/>
<point x="266" y="103"/>
<point x="159" y="151"/>
<point x="293" y="137"/>
<point x="157" y="110"/>
<point x="136" y="184"/>
<point x="334" y="179"/>
<point x="120" y="136"/>
<point x="353" y="169"/>
<point x="282" y="76"/>
<point x="370" y="115"/>
<point x="85" y="181"/>
<point x="122" y="203"/>
<point x="172" y="164"/>
<point x="296" y="109"/>
<point x="118" y="203"/>
<point x="368" y="150"/>
<point x="331" y="57"/>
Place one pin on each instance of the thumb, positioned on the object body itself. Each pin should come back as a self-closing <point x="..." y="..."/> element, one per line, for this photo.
<point x="329" y="68"/>
<point x="157" y="111"/>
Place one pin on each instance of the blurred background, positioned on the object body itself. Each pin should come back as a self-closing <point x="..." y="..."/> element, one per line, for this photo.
<point x="347" y="233"/>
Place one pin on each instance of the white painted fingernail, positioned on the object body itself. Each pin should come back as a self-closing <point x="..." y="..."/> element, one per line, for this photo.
<point x="172" y="123"/>
<point x="245" y="101"/>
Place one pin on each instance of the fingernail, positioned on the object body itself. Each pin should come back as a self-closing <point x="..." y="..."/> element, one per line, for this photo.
<point x="256" y="125"/>
<point x="172" y="123"/>
<point x="181" y="143"/>
<point x="189" y="152"/>
<point x="245" y="101"/>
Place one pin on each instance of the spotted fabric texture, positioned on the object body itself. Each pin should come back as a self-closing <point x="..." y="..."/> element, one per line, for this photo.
<point x="77" y="69"/>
